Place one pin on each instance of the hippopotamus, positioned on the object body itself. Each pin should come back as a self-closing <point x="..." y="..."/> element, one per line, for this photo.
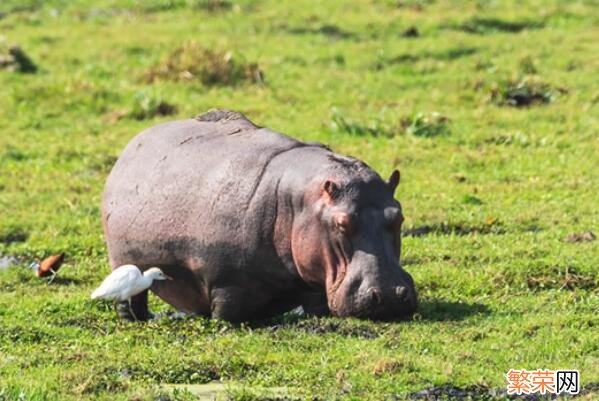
<point x="251" y="223"/>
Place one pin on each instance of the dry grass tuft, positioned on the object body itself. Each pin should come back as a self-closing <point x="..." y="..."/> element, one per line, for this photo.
<point x="191" y="62"/>
<point x="386" y="366"/>
<point x="523" y="92"/>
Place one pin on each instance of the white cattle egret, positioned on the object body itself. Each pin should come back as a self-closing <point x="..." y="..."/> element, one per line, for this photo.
<point x="127" y="281"/>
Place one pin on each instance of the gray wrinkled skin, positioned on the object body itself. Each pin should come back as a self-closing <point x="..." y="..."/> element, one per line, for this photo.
<point x="251" y="223"/>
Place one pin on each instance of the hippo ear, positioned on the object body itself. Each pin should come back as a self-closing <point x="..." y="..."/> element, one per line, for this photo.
<point x="331" y="189"/>
<point x="394" y="180"/>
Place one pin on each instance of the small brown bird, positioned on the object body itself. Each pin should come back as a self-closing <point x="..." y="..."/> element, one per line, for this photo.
<point x="49" y="266"/>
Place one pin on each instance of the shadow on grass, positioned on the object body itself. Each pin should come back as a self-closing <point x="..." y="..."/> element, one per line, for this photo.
<point x="13" y="234"/>
<point x="484" y="26"/>
<point x="490" y="227"/>
<point x="440" y="310"/>
<point x="286" y="319"/>
<point x="65" y="281"/>
<point x="330" y="31"/>
<point x="429" y="310"/>
<point x="443" y="55"/>
<point x="319" y="326"/>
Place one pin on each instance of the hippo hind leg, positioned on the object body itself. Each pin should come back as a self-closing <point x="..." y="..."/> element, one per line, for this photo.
<point x="137" y="310"/>
<point x="186" y="292"/>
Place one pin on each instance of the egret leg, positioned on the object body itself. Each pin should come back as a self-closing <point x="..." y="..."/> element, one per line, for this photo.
<point x="134" y="309"/>
<point x="124" y="311"/>
<point x="131" y="310"/>
<point x="139" y="303"/>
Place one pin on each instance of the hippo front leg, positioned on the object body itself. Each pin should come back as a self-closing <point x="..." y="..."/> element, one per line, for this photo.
<point x="230" y="304"/>
<point x="237" y="304"/>
<point x="315" y="304"/>
<point x="139" y="307"/>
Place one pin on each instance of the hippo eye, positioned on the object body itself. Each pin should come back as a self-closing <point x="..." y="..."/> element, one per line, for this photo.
<point x="344" y="222"/>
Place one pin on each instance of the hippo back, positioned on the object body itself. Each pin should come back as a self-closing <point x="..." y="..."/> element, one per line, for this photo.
<point x="195" y="178"/>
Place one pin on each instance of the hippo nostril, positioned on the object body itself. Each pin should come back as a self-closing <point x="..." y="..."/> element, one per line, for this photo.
<point x="401" y="292"/>
<point x="374" y="294"/>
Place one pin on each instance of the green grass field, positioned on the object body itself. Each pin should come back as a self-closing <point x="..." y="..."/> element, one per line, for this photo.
<point x="490" y="110"/>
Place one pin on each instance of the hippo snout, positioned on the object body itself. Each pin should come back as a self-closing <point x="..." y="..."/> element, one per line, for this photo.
<point x="386" y="303"/>
<point x="376" y="300"/>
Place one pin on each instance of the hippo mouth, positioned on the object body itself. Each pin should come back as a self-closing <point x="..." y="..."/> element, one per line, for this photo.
<point x="339" y="266"/>
<point x="362" y="292"/>
<point x="388" y="310"/>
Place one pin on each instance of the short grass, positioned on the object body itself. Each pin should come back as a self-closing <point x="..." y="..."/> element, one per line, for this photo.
<point x="489" y="109"/>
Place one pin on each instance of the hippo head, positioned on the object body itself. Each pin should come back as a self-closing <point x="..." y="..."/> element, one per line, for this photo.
<point x="348" y="240"/>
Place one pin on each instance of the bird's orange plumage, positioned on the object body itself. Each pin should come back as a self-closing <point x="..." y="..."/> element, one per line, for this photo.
<point x="50" y="265"/>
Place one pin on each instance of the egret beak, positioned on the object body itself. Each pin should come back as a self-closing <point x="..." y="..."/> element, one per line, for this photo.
<point x="168" y="278"/>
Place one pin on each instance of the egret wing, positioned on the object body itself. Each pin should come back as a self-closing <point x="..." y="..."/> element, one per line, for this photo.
<point x="117" y="282"/>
